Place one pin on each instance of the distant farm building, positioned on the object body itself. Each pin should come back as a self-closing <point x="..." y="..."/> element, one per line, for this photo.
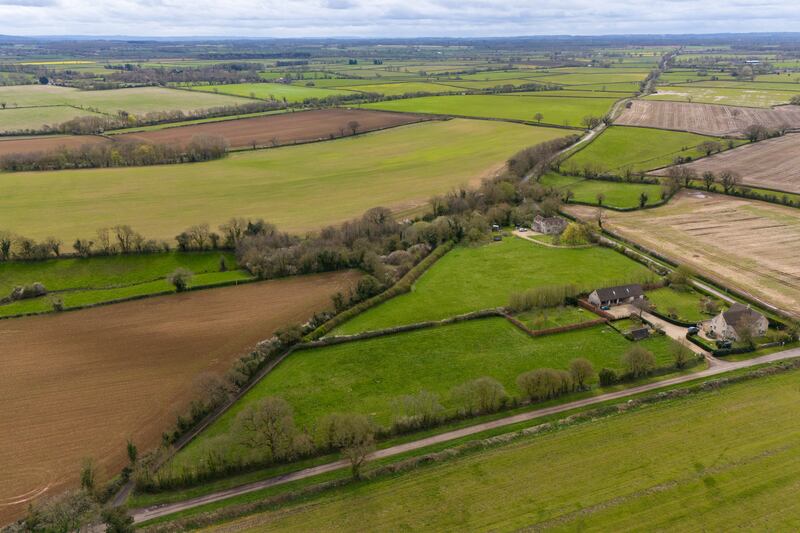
<point x="623" y="294"/>
<point x="728" y="325"/>
<point x="549" y="225"/>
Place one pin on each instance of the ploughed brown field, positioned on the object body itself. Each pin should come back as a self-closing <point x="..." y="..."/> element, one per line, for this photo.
<point x="79" y="384"/>
<point x="285" y="128"/>
<point x="24" y="145"/>
<point x="750" y="245"/>
<point x="774" y="163"/>
<point x="706" y="119"/>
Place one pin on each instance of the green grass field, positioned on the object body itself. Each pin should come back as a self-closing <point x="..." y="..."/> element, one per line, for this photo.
<point x="556" y="110"/>
<point x="720" y="461"/>
<point x="136" y="100"/>
<point x="555" y="317"/>
<point x="685" y="302"/>
<point x="271" y="91"/>
<point x="393" y="89"/>
<point x="296" y="187"/>
<point x="616" y="194"/>
<point x="80" y="282"/>
<point x="367" y="376"/>
<point x="34" y="118"/>
<point x="620" y="147"/>
<point x="472" y="278"/>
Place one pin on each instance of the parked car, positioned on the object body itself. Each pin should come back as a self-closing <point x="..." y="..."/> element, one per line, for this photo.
<point x="523" y="230"/>
<point x="498" y="238"/>
<point x="694" y="330"/>
<point x="605" y="308"/>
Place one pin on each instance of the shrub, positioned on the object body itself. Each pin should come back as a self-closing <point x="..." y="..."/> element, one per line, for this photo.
<point x="544" y="383"/>
<point x="417" y="411"/>
<point x="638" y="361"/>
<point x="483" y="395"/>
<point x="180" y="279"/>
<point x="581" y="370"/>
<point x="607" y="377"/>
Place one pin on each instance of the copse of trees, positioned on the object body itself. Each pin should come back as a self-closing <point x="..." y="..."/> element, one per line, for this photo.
<point x="118" y="154"/>
<point x="536" y="160"/>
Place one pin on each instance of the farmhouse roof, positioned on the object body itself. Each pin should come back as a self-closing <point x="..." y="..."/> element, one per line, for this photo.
<point x="738" y="311"/>
<point x="620" y="292"/>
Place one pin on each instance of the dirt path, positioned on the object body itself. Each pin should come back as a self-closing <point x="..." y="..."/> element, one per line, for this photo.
<point x="141" y="515"/>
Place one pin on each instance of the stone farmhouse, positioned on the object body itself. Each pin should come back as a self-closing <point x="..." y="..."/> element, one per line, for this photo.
<point x="549" y="225"/>
<point x="728" y="324"/>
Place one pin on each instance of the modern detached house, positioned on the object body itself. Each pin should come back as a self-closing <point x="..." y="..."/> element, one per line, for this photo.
<point x="728" y="324"/>
<point x="623" y="294"/>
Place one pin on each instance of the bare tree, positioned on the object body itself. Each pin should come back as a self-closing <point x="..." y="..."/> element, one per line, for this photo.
<point x="729" y="180"/>
<point x="581" y="370"/>
<point x="125" y="236"/>
<point x="638" y="361"/>
<point x="353" y="126"/>
<point x="268" y="426"/>
<point x="352" y="434"/>
<point x="708" y="179"/>
<point x="709" y="147"/>
<point x="538" y="117"/>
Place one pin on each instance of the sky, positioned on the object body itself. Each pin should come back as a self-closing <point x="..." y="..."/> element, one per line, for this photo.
<point x="393" y="18"/>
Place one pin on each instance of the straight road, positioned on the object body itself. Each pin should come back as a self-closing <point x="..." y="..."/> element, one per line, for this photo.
<point x="141" y="515"/>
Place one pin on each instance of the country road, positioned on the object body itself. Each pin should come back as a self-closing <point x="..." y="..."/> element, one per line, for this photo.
<point x="149" y="513"/>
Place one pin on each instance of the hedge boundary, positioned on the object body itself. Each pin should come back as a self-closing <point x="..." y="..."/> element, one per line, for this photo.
<point x="402" y="286"/>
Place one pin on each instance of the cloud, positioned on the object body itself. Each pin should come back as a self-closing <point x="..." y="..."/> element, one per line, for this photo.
<point x="391" y="18"/>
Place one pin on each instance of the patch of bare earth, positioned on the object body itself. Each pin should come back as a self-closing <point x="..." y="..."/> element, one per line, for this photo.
<point x="707" y="119"/>
<point x="752" y="246"/>
<point x="274" y="130"/>
<point x="27" y="145"/>
<point x="79" y="384"/>
<point x="774" y="164"/>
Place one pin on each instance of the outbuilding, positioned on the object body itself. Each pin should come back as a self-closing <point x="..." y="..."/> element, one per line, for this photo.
<point x="622" y="294"/>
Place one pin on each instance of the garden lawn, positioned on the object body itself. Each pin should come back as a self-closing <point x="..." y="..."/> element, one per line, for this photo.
<point x="473" y="278"/>
<point x="620" y="148"/>
<point x="555" y="317"/>
<point x="555" y="109"/>
<point x="298" y="188"/>
<point x="716" y="461"/>
<point x="367" y="376"/>
<point x="270" y="91"/>
<point x="685" y="302"/>
<point x="622" y="195"/>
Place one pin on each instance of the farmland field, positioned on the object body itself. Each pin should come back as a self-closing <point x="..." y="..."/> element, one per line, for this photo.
<point x="724" y="95"/>
<point x="473" y="278"/>
<point x="774" y="163"/>
<point x="556" y="110"/>
<point x="725" y="238"/>
<point x="271" y="91"/>
<point x="138" y="100"/>
<point x="73" y="388"/>
<point x="366" y="376"/>
<point x="34" y="118"/>
<point x="296" y="187"/>
<point x="284" y="128"/>
<point x="393" y="89"/>
<point x="714" y="461"/>
<point x="616" y="194"/>
<point x="637" y="149"/>
<point x="16" y="145"/>
<point x="705" y="118"/>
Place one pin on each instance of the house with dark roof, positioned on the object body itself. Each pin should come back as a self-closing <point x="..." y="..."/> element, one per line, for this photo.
<point x="622" y="294"/>
<point x="729" y="324"/>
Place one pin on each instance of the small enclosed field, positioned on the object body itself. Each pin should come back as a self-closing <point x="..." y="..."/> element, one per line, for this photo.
<point x="724" y="460"/>
<point x="621" y="149"/>
<point x="276" y="130"/>
<point x="473" y="278"/>
<point x="705" y="119"/>
<point x="773" y="164"/>
<point x="752" y="97"/>
<point x="746" y="244"/>
<point x="24" y="119"/>
<point x="682" y="304"/>
<point x="80" y="384"/>
<point x="369" y="376"/>
<point x="614" y="194"/>
<point x="298" y="188"/>
<point x="554" y="109"/>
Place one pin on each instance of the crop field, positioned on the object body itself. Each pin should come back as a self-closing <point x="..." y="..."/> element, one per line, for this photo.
<point x="138" y="100"/>
<point x="704" y="118"/>
<point x="34" y="118"/>
<point x="296" y="187"/>
<point x="724" y="95"/>
<point x="774" y="163"/>
<point x="616" y="194"/>
<point x="366" y="376"/>
<point x="269" y="91"/>
<point x="72" y="388"/>
<point x="280" y="129"/>
<point x="620" y="148"/>
<point x="473" y="278"/>
<point x="394" y="89"/>
<point x="720" y="461"/>
<point x="17" y="145"/>
<point x="556" y="110"/>
<point x="747" y="244"/>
